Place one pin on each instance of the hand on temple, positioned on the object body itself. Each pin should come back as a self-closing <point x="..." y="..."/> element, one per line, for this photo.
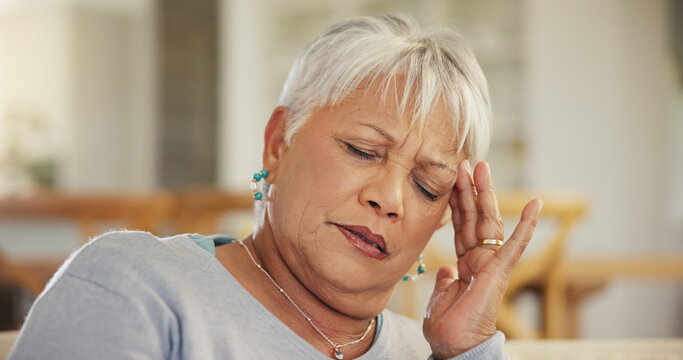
<point x="463" y="308"/>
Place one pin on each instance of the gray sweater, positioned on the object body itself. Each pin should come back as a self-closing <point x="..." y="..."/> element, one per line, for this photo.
<point x="131" y="295"/>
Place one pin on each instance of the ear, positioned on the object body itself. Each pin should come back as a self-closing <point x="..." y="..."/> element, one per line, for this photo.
<point x="446" y="217"/>
<point x="274" y="142"/>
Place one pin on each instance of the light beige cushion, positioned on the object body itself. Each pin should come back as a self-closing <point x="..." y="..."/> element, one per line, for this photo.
<point x="7" y="339"/>
<point x="594" y="349"/>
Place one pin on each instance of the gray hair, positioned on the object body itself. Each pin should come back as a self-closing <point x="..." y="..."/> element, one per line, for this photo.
<point x="436" y="65"/>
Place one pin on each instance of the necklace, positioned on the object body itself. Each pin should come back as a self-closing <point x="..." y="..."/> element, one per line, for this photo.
<point x="337" y="348"/>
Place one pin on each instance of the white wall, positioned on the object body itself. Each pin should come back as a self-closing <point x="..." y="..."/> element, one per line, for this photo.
<point x="35" y="48"/>
<point x="600" y="77"/>
<point x="143" y="99"/>
<point x="245" y="103"/>
<point x="89" y="71"/>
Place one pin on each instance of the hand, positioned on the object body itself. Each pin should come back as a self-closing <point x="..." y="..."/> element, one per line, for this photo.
<point x="464" y="306"/>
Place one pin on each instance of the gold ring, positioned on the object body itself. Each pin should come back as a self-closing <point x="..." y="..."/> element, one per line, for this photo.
<point x="492" y="242"/>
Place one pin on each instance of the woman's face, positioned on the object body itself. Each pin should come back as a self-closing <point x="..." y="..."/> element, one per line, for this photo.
<point x="356" y="178"/>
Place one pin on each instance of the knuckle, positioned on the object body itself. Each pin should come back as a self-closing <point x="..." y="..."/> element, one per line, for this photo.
<point x="532" y="225"/>
<point x="484" y="213"/>
<point x="499" y="222"/>
<point x="488" y="215"/>
<point x="492" y="219"/>
<point x="470" y="215"/>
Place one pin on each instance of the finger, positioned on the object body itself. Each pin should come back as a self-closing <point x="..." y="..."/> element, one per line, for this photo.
<point x="490" y="223"/>
<point x="444" y="277"/>
<point x="467" y="203"/>
<point x="457" y="223"/>
<point x="512" y="250"/>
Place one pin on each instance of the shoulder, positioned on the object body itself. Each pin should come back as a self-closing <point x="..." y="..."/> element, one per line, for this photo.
<point x="128" y="243"/>
<point x="122" y="279"/>
<point x="120" y="259"/>
<point x="131" y="248"/>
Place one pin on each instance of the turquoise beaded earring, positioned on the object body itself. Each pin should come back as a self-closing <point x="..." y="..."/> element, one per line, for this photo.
<point x="421" y="268"/>
<point x="258" y="176"/>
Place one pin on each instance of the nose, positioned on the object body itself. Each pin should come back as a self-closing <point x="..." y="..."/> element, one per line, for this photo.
<point x="385" y="195"/>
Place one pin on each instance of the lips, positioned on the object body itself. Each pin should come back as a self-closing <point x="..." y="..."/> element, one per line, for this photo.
<point x="366" y="241"/>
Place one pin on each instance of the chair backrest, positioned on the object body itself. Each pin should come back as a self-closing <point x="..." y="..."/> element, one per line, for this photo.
<point x="7" y="339"/>
<point x="565" y="210"/>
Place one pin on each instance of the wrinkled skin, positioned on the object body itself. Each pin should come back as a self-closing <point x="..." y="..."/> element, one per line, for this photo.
<point x="463" y="309"/>
<point x="342" y="168"/>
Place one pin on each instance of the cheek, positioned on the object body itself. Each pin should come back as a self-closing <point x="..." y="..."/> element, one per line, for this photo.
<point x="289" y="197"/>
<point x="313" y="180"/>
<point x="423" y="224"/>
<point x="335" y="179"/>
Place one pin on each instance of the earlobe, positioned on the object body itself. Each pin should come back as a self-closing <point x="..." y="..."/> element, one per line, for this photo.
<point x="274" y="141"/>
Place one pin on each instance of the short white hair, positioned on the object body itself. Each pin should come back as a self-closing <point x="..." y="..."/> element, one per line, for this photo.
<point x="436" y="65"/>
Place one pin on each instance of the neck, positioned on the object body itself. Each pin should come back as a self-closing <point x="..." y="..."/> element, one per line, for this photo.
<point x="338" y="327"/>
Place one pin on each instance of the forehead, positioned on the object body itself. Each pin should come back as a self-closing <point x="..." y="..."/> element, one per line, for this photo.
<point x="383" y="113"/>
<point x="368" y="116"/>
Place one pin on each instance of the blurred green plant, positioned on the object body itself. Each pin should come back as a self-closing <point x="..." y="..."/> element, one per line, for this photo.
<point x="26" y="154"/>
<point x="43" y="172"/>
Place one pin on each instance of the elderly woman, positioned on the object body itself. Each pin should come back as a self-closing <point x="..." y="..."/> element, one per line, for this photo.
<point x="366" y="156"/>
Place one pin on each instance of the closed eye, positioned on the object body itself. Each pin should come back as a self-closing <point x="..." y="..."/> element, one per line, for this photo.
<point x="368" y="156"/>
<point x="430" y="196"/>
<point x="359" y="153"/>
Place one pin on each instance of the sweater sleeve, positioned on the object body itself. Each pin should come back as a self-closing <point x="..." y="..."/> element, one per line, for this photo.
<point x="80" y="319"/>
<point x="491" y="349"/>
<point x="103" y="303"/>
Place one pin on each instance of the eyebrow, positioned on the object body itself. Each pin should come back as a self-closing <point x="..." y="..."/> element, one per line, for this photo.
<point x="439" y="165"/>
<point x="391" y="139"/>
<point x="380" y="131"/>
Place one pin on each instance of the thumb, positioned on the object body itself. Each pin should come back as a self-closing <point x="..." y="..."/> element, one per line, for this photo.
<point x="444" y="277"/>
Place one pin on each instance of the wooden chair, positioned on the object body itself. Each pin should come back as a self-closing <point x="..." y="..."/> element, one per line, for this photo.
<point x="563" y="283"/>
<point x="571" y="281"/>
<point x="535" y="272"/>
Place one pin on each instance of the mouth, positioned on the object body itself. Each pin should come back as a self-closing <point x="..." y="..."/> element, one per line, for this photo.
<point x="366" y="241"/>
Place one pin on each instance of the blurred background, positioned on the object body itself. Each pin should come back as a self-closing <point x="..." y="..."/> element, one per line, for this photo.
<point x="150" y="115"/>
